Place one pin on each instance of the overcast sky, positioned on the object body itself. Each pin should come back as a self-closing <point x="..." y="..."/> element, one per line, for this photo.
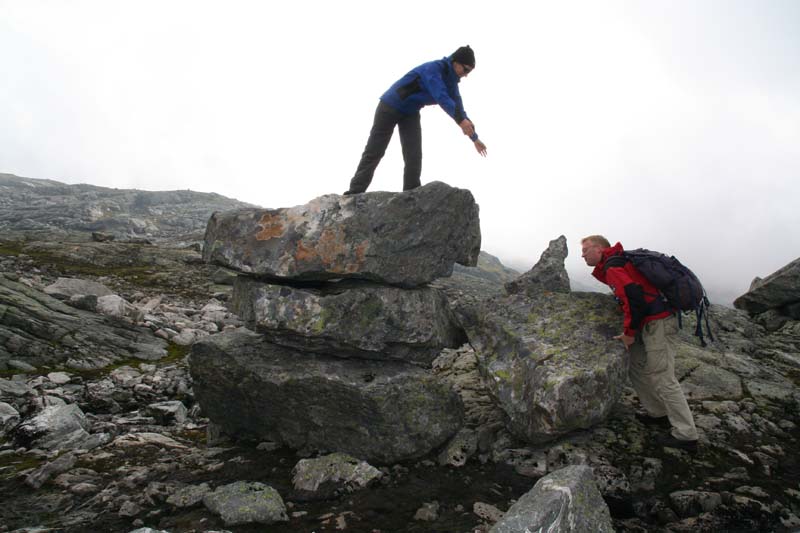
<point x="667" y="125"/>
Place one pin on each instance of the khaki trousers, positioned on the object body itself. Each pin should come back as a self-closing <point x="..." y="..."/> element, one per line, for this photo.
<point x="652" y="374"/>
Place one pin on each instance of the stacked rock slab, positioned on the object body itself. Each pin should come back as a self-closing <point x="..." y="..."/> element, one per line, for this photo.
<point x="346" y="326"/>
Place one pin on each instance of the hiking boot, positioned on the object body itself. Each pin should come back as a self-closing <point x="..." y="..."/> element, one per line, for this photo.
<point x="660" y="421"/>
<point x="671" y="442"/>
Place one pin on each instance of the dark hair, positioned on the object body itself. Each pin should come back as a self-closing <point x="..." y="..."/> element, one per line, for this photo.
<point x="464" y="55"/>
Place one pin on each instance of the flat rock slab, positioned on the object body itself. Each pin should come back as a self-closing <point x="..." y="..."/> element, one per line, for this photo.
<point x="406" y="239"/>
<point x="43" y="331"/>
<point x="65" y="288"/>
<point x="566" y="501"/>
<point x="370" y="322"/>
<point x="550" y="360"/>
<point x="781" y="288"/>
<point x="379" y="411"/>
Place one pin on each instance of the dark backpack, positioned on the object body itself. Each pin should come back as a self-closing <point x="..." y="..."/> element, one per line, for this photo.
<point x="676" y="283"/>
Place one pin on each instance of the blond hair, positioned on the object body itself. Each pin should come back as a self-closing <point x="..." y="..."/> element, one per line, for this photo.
<point x="598" y="240"/>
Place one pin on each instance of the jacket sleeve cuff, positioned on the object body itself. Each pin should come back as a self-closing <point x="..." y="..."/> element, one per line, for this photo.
<point x="630" y="332"/>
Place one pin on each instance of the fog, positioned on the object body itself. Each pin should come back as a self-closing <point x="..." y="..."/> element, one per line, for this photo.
<point x="673" y="126"/>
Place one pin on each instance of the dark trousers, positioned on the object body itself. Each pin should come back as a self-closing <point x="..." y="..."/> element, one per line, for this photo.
<point x="386" y="118"/>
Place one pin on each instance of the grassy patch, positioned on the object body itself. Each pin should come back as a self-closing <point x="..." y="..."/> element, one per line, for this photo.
<point x="10" y="248"/>
<point x="18" y="463"/>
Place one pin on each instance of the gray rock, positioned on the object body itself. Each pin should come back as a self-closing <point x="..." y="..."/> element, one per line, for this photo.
<point x="59" y="378"/>
<point x="147" y="438"/>
<point x="487" y="512"/>
<point x="189" y="496"/>
<point x="710" y="381"/>
<point x="44" y="331"/>
<point x="20" y="365"/>
<point x="406" y="239"/>
<point x="429" y="512"/>
<point x="792" y="311"/>
<point x="550" y="360"/>
<point x="47" y="209"/>
<point x="41" y="475"/>
<point x="129" y="509"/>
<point x="780" y="288"/>
<point x="688" y="503"/>
<point x="58" y="427"/>
<point x="460" y="448"/>
<point x="565" y="501"/>
<point x="10" y="388"/>
<point x="246" y="502"/>
<point x="65" y="288"/>
<point x="9" y="417"/>
<point x="99" y="236"/>
<point x="330" y="475"/>
<point x="223" y="276"/>
<point x="772" y="319"/>
<point x="382" y="412"/>
<point x="374" y="322"/>
<point x="172" y="411"/>
<point x="548" y="274"/>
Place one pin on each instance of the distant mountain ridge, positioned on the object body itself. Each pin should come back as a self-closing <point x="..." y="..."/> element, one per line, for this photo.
<point x="40" y="208"/>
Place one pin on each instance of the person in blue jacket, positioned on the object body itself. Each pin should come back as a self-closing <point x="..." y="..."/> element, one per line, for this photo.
<point x="435" y="82"/>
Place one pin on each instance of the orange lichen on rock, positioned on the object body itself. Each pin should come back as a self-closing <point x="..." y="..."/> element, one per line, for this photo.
<point x="333" y="252"/>
<point x="271" y="226"/>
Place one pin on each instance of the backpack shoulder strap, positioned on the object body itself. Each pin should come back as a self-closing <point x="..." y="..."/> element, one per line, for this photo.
<point x="615" y="261"/>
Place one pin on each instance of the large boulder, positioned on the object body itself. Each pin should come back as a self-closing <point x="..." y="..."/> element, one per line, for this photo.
<point x="550" y="360"/>
<point x="548" y="274"/>
<point x="566" y="501"/>
<point x="371" y="322"/>
<point x="779" y="289"/>
<point x="380" y="411"/>
<point x="406" y="239"/>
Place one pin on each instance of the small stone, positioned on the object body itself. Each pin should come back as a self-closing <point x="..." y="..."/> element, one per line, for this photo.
<point x="429" y="512"/>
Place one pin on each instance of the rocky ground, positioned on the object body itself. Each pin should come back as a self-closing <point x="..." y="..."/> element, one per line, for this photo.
<point x="100" y="429"/>
<point x="146" y="441"/>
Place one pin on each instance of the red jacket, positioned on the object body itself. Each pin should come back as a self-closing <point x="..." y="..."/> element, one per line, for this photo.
<point x="634" y="293"/>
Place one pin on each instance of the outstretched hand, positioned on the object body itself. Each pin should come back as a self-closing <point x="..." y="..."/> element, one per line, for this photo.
<point x="480" y="147"/>
<point x="467" y="127"/>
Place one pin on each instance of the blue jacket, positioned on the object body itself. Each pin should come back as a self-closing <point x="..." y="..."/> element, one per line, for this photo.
<point x="431" y="83"/>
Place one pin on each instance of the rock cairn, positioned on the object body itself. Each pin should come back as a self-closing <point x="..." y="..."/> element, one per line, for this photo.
<point x="346" y="326"/>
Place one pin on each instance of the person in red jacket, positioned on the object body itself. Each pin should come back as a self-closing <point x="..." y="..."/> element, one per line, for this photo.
<point x="649" y="330"/>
